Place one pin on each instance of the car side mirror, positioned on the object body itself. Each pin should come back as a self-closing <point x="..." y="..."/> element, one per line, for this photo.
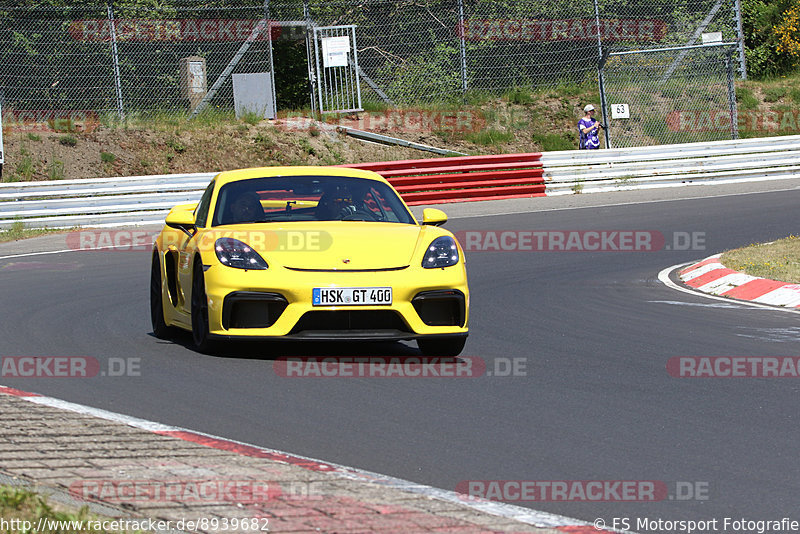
<point x="182" y="220"/>
<point x="433" y="217"/>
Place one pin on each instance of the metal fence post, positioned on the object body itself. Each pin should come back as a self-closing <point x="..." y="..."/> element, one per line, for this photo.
<point x="740" y="38"/>
<point x="600" y="76"/>
<point x="115" y="56"/>
<point x="463" y="46"/>
<point x="732" y="95"/>
<point x="271" y="62"/>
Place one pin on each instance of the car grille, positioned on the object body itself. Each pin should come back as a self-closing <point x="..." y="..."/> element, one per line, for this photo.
<point x="350" y="320"/>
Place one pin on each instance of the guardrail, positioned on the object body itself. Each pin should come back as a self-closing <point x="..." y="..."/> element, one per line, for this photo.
<point x="142" y="200"/>
<point x="766" y="158"/>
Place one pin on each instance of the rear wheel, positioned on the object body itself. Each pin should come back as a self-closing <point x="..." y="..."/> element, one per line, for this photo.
<point x="442" y="346"/>
<point x="200" y="335"/>
<point x="160" y="328"/>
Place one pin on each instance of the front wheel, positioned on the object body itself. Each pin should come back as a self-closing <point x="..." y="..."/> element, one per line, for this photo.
<point x="442" y="346"/>
<point x="200" y="336"/>
<point x="160" y="328"/>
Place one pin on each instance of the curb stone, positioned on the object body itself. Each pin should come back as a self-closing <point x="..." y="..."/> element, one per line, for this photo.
<point x="76" y="449"/>
<point x="711" y="276"/>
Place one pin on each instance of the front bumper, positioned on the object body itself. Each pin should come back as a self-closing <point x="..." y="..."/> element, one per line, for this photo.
<point x="277" y="302"/>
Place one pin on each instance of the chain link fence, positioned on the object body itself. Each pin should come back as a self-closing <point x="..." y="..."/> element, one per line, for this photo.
<point x="677" y="95"/>
<point x="122" y="60"/>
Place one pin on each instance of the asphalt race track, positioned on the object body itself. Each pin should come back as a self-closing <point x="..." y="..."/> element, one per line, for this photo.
<point x="595" y="330"/>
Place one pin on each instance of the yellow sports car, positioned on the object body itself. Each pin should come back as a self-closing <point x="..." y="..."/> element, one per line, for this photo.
<point x="310" y="253"/>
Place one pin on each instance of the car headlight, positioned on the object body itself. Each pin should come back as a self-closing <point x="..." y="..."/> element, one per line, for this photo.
<point x="442" y="252"/>
<point x="234" y="253"/>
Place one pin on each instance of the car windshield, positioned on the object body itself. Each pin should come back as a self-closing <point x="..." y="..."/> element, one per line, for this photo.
<point x="308" y="198"/>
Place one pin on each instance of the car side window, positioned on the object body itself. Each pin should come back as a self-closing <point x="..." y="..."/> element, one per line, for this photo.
<point x="201" y="212"/>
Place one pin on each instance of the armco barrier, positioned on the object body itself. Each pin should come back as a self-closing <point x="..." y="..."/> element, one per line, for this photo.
<point x="460" y="179"/>
<point x="764" y="158"/>
<point x="147" y="199"/>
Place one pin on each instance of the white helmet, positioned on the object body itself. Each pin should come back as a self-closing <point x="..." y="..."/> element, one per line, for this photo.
<point x="588" y="108"/>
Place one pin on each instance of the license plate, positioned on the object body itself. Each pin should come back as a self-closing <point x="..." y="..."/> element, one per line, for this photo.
<point x="351" y="296"/>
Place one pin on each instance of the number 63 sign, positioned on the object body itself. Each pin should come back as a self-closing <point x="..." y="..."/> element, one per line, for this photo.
<point x="620" y="111"/>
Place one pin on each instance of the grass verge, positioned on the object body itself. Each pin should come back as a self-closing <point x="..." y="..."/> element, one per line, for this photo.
<point x="18" y="231"/>
<point x="779" y="260"/>
<point x="23" y="511"/>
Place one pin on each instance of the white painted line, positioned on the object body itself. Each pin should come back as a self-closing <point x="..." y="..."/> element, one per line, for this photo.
<point x="509" y="511"/>
<point x="663" y="276"/>
<point x="43" y="253"/>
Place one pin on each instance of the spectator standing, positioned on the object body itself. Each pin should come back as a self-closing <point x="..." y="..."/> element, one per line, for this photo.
<point x="588" y="127"/>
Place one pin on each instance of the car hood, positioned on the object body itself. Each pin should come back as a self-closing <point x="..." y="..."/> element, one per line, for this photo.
<point x="336" y="245"/>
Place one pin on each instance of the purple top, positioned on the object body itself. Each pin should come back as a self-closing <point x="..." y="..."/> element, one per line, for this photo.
<point x="590" y="140"/>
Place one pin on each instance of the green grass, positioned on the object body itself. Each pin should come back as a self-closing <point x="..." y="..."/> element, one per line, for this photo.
<point x="25" y="167"/>
<point x="34" y="137"/>
<point x="746" y="99"/>
<point x="252" y="118"/>
<point x="307" y="148"/>
<point x="779" y="260"/>
<point x="18" y="505"/>
<point x="16" y="232"/>
<point x="374" y="105"/>
<point x="107" y="157"/>
<point x="490" y="137"/>
<point x="68" y="140"/>
<point x="554" y="141"/>
<point x="264" y="140"/>
<point x="176" y="145"/>
<point x="773" y="94"/>
<point x="519" y="95"/>
<point x="55" y="170"/>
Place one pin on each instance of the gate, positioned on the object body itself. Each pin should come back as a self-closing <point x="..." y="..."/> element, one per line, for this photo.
<point x="336" y="82"/>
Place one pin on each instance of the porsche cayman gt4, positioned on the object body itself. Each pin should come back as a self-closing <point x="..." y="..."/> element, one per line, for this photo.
<point x="308" y="253"/>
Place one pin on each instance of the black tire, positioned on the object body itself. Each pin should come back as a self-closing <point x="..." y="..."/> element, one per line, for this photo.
<point x="200" y="335"/>
<point x="160" y="328"/>
<point x="442" y="346"/>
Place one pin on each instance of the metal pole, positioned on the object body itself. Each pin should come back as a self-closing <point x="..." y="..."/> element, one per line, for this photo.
<point x="115" y="56"/>
<point x="274" y="111"/>
<point x="600" y="75"/>
<point x="732" y="95"/>
<point x="311" y="54"/>
<point x="463" y="47"/>
<point x="740" y="38"/>
<point x="358" y="82"/>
